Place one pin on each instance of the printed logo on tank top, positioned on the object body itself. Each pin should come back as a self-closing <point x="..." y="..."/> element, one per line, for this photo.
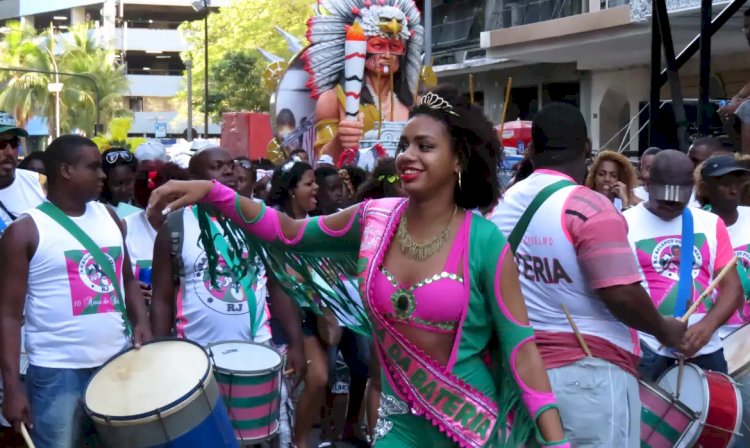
<point x="91" y="291"/>
<point x="541" y="269"/>
<point x="660" y="260"/>
<point x="228" y="297"/>
<point x="743" y="255"/>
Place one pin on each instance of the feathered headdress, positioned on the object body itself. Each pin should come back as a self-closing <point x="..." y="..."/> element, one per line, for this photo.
<point x="324" y="58"/>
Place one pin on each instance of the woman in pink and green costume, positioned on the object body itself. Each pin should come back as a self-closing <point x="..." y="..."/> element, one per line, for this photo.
<point x="441" y="294"/>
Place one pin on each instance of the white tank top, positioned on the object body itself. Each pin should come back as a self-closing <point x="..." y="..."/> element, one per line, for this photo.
<point x="207" y="315"/>
<point x="140" y="241"/>
<point x="71" y="321"/>
<point x="548" y="267"/>
<point x="24" y="193"/>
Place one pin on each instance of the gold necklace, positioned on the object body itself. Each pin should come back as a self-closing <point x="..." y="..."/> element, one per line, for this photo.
<point x="417" y="251"/>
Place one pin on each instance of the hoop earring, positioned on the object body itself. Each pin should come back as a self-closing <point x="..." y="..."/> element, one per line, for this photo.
<point x="459" y="180"/>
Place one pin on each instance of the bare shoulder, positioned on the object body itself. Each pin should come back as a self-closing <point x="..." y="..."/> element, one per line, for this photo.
<point x="327" y="106"/>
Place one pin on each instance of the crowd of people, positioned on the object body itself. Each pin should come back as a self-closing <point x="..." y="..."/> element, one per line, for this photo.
<point x="468" y="289"/>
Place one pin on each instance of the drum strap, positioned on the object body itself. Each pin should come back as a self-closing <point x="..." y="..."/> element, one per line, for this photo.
<point x="95" y="251"/>
<point x="245" y="281"/>
<point x="176" y="228"/>
<point x="685" y="284"/>
<point x="514" y="239"/>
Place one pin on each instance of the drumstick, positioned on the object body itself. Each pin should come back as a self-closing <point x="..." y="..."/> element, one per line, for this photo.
<point x="573" y="325"/>
<point x="26" y="436"/>
<point x="289" y="372"/>
<point x="679" y="378"/>
<point x="710" y="288"/>
<point x="724" y="271"/>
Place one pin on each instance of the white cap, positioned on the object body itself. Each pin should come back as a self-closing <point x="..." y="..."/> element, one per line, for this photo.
<point x="325" y="159"/>
<point x="151" y="150"/>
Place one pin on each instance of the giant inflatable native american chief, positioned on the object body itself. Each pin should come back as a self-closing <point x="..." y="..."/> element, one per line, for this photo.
<point x="362" y="54"/>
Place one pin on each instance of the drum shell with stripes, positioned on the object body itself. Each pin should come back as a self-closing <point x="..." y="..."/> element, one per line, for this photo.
<point x="252" y="397"/>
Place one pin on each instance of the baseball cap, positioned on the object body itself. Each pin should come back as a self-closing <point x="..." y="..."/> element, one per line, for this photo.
<point x="325" y="159"/>
<point x="721" y="165"/>
<point x="8" y="124"/>
<point x="559" y="126"/>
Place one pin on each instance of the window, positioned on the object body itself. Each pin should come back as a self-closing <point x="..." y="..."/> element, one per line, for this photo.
<point x="135" y="104"/>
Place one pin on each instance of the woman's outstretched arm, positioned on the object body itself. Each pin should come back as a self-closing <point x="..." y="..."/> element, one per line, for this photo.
<point x="330" y="235"/>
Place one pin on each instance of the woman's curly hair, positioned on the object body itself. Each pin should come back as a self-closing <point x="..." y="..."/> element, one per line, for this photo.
<point x="625" y="171"/>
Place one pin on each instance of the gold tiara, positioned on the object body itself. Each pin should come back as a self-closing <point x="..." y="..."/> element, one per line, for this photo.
<point x="436" y="102"/>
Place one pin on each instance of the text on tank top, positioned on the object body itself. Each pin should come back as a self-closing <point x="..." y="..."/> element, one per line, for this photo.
<point x="71" y="319"/>
<point x="549" y="272"/>
<point x="206" y="314"/>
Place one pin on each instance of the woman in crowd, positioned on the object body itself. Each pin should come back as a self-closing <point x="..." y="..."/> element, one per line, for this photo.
<point x="246" y="174"/>
<point x="294" y="193"/>
<point x="612" y="175"/>
<point x="354" y="348"/>
<point x="33" y="162"/>
<point x="120" y="166"/>
<point x="141" y="228"/>
<point x="430" y="335"/>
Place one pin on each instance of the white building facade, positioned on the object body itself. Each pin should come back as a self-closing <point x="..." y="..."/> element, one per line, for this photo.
<point x="593" y="53"/>
<point x="144" y="34"/>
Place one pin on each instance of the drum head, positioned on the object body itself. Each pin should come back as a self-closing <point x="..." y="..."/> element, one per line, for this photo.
<point x="693" y="388"/>
<point x="244" y="357"/>
<point x="137" y="382"/>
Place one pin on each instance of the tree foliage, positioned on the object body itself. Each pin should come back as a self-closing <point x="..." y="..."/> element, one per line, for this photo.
<point x="234" y="35"/>
<point x="26" y="94"/>
<point x="236" y="84"/>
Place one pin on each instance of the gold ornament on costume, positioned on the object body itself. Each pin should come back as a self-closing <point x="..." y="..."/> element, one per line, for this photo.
<point x="275" y="152"/>
<point x="428" y="77"/>
<point x="273" y="74"/>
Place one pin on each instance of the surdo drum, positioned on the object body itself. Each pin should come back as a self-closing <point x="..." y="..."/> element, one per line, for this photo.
<point x="163" y="394"/>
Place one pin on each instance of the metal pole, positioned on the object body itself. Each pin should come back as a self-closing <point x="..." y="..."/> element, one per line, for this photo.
<point x="705" y="111"/>
<point x="721" y="19"/>
<point x="674" y="78"/>
<point x="427" y="33"/>
<point x="51" y="50"/>
<point x="189" y="68"/>
<point x="654" y="99"/>
<point x="205" y="72"/>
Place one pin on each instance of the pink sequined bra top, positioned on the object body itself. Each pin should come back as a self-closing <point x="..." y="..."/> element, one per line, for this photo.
<point x="436" y="303"/>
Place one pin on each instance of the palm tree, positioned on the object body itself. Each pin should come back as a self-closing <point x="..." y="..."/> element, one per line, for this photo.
<point x="83" y="54"/>
<point x="79" y="52"/>
<point x="24" y="94"/>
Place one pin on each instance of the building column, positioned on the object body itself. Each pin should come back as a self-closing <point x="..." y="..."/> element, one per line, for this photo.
<point x="494" y="95"/>
<point x="77" y="15"/>
<point x="27" y="21"/>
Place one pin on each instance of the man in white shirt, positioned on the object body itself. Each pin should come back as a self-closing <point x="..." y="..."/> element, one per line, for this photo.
<point x="656" y="234"/>
<point x="20" y="190"/>
<point x="78" y="311"/>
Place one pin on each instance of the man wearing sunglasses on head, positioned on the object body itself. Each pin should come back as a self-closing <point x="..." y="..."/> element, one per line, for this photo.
<point x="20" y="189"/>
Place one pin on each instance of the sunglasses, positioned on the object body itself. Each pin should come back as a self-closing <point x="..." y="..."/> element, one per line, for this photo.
<point x="244" y="164"/>
<point x="13" y="142"/>
<point x="114" y="156"/>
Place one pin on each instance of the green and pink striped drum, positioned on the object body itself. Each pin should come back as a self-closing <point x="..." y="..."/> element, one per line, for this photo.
<point x="664" y="420"/>
<point x="249" y="377"/>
